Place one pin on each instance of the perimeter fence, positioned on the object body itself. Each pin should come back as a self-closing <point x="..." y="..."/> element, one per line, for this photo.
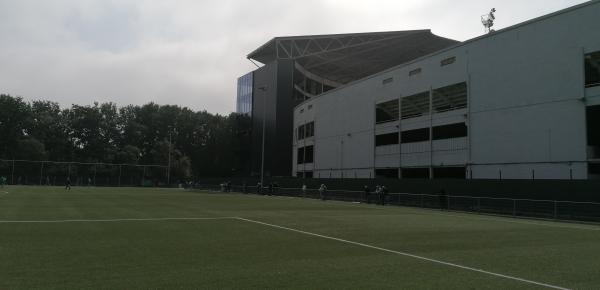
<point x="531" y="208"/>
<point x="52" y="173"/>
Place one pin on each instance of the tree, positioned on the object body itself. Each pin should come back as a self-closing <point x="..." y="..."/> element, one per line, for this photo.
<point x="15" y="116"/>
<point x="49" y="125"/>
<point x="29" y="148"/>
<point x="201" y="143"/>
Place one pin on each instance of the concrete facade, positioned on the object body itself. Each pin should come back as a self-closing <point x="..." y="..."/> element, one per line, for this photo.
<point x="525" y="110"/>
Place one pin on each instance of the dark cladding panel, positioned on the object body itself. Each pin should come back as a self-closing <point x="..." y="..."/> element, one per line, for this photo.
<point x="273" y="90"/>
<point x="263" y="104"/>
<point x="283" y="153"/>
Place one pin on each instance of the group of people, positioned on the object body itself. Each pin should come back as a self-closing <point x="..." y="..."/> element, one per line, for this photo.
<point x="226" y="186"/>
<point x="271" y="188"/>
<point x="322" y="191"/>
<point x="381" y="192"/>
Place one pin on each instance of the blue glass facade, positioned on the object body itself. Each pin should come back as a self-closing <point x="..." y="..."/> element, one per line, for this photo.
<point x="244" y="94"/>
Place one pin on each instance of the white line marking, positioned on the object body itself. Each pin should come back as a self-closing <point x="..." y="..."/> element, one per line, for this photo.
<point x="406" y="254"/>
<point x="116" y="220"/>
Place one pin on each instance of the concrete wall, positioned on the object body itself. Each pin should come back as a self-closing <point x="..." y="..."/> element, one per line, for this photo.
<point x="526" y="113"/>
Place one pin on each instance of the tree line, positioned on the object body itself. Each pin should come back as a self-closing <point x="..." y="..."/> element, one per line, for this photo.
<point x="200" y="144"/>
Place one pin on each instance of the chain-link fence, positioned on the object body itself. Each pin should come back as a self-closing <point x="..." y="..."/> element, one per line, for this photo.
<point x="546" y="209"/>
<point x="25" y="172"/>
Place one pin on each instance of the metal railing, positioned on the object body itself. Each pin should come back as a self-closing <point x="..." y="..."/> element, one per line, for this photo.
<point x="31" y="172"/>
<point x="530" y="208"/>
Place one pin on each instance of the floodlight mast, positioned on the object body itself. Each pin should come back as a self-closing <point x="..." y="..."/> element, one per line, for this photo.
<point x="262" y="163"/>
<point x="488" y="20"/>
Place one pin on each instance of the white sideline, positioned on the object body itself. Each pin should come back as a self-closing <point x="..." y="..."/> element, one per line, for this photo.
<point x="406" y="254"/>
<point x="114" y="220"/>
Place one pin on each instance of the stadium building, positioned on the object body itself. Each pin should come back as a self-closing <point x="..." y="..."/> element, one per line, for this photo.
<point x="302" y="67"/>
<point x="518" y="103"/>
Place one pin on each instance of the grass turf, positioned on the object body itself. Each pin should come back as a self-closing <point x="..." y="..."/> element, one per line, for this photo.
<point x="231" y="253"/>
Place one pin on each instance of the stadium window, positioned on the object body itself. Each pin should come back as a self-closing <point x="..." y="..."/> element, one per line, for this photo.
<point x="309" y="130"/>
<point x="300" y="155"/>
<point x="450" y="173"/>
<point x="415" y="105"/>
<point x="450" y="131"/>
<point x="386" y="173"/>
<point x="386" y="139"/>
<point x="592" y="69"/>
<point x="301" y="132"/>
<point x="304" y="174"/>
<point x="298" y="95"/>
<point x="448" y="61"/>
<point x="309" y="154"/>
<point x="387" y="112"/>
<point x="313" y="87"/>
<point x="593" y="131"/>
<point x="594" y="169"/>
<point x="414" y="136"/>
<point x="414" y="72"/>
<point x="415" y="173"/>
<point x="450" y="98"/>
<point x="387" y="81"/>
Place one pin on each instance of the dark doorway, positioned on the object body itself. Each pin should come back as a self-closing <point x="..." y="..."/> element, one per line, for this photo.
<point x="415" y="173"/>
<point x="449" y="173"/>
<point x="593" y="132"/>
<point x="386" y="173"/>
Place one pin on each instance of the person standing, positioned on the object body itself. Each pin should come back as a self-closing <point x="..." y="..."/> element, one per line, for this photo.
<point x="384" y="192"/>
<point x="378" y="194"/>
<point x="258" y="188"/>
<point x="322" y="191"/>
<point x="2" y="181"/>
<point x="303" y="190"/>
<point x="68" y="184"/>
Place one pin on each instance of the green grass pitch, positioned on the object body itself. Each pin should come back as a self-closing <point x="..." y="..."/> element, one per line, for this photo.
<point x="133" y="238"/>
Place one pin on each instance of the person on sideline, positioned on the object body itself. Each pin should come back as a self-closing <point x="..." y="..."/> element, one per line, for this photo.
<point x="322" y="191"/>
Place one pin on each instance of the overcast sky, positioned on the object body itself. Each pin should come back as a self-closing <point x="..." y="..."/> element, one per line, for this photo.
<point x="190" y="53"/>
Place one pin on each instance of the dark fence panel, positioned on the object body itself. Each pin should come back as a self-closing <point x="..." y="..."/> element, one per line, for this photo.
<point x="571" y="190"/>
<point x="22" y="172"/>
<point x="546" y="209"/>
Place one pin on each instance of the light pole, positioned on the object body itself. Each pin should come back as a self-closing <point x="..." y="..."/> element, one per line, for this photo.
<point x="169" y="162"/>
<point x="262" y="165"/>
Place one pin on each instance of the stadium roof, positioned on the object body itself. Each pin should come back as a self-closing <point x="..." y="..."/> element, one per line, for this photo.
<point x="344" y="58"/>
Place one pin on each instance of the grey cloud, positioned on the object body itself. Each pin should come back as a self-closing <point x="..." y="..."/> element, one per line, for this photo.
<point x="191" y="52"/>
